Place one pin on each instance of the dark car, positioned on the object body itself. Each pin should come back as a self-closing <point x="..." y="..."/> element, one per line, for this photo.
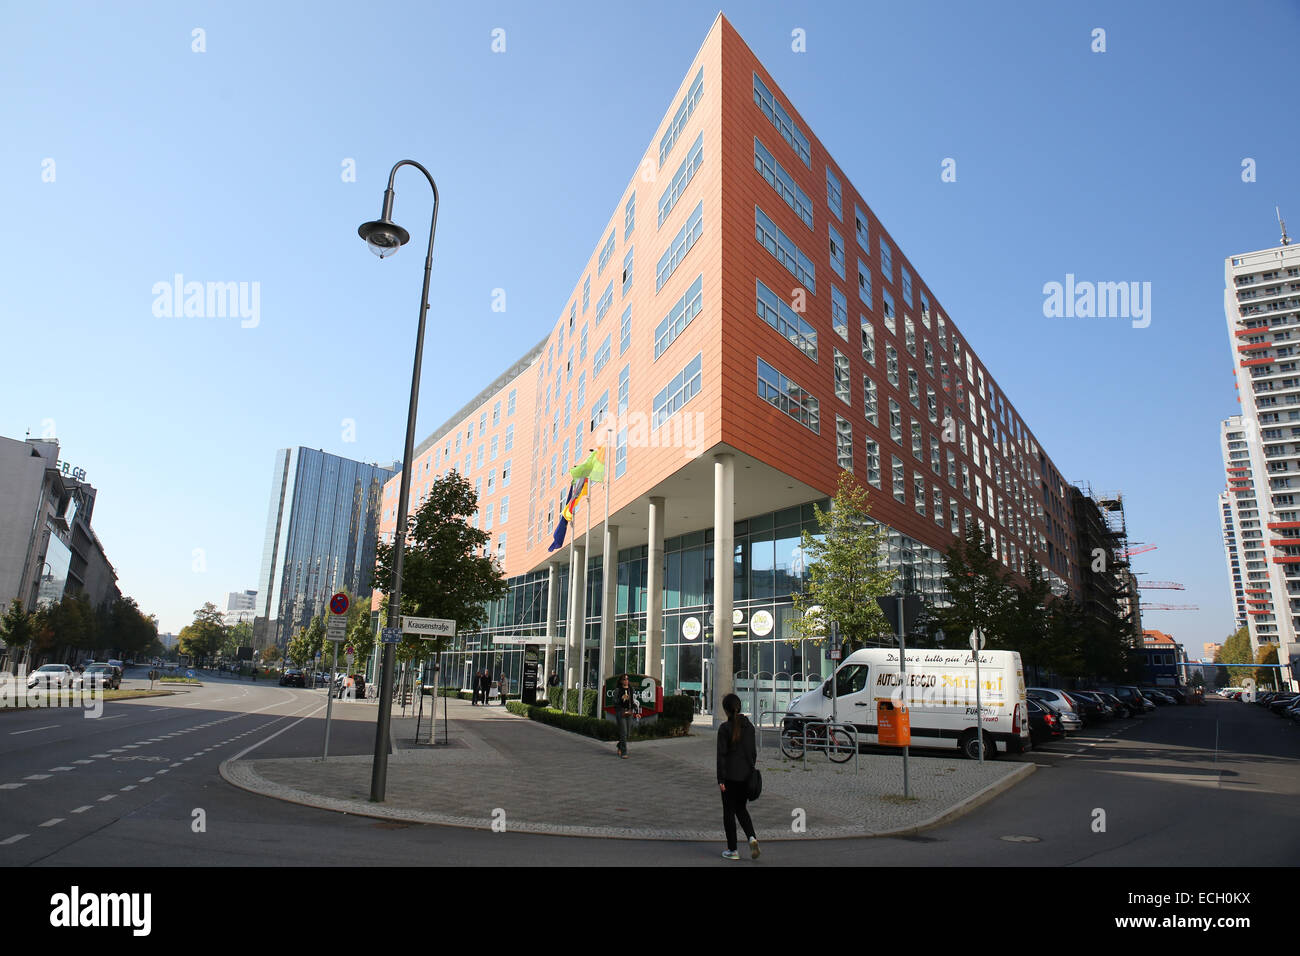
<point x="293" y="678"/>
<point x="1089" y="710"/>
<point x="100" y="675"/>
<point x="1129" y="696"/>
<point x="1119" y="707"/>
<point x="1281" y="702"/>
<point x="1044" y="722"/>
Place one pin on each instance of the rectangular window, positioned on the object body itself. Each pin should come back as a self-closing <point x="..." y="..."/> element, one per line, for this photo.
<point x="913" y="388"/>
<point x="965" y="480"/>
<point x="582" y="389"/>
<point x="492" y="451"/>
<point x="778" y="390"/>
<point x="952" y="470"/>
<point x="907" y="286"/>
<point x="620" y="453"/>
<point x="918" y="493"/>
<point x="623" y="384"/>
<point x="925" y="310"/>
<point x="932" y="404"/>
<point x="871" y="407"/>
<point x="684" y="386"/>
<point x="496" y="414"/>
<point x="780" y="316"/>
<point x="779" y="118"/>
<point x="837" y="252"/>
<point x="586" y="300"/>
<point x="505" y="511"/>
<point x="864" y="283"/>
<point x="510" y="437"/>
<point x="679" y="316"/>
<point x="843" y="444"/>
<point x="783" y="183"/>
<point x="625" y="331"/>
<point x="505" y="474"/>
<point x="786" y="252"/>
<point x="680" y="118"/>
<point x="887" y="306"/>
<point x="681" y="244"/>
<point x="605" y="301"/>
<point x="955" y="526"/>
<point x="582" y="344"/>
<point x="510" y="403"/>
<point x="917" y="441"/>
<point x="627" y="269"/>
<point x="487" y="521"/>
<point x="868" y="341"/>
<point x="629" y="216"/>
<point x="482" y="425"/>
<point x="873" y="463"/>
<point x="900" y="481"/>
<point x="568" y="410"/>
<point x="929" y="358"/>
<point x="839" y="313"/>
<point x="909" y="335"/>
<point x="886" y="261"/>
<point x="843" y="389"/>
<point x="833" y="196"/>
<point x="943" y="334"/>
<point x="606" y="251"/>
<point x="891" y="365"/>
<point x="937" y="497"/>
<point x="860" y="227"/>
<point x="895" y="422"/>
<point x="601" y="358"/>
<point x="936" y="464"/>
<point x="681" y="179"/>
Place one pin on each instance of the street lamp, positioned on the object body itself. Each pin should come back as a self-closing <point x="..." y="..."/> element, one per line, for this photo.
<point x="384" y="237"/>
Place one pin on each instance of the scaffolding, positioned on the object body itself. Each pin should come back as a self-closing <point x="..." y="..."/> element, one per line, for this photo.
<point x="1109" y="587"/>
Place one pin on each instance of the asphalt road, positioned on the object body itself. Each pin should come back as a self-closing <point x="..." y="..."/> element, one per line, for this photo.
<point x="1182" y="786"/>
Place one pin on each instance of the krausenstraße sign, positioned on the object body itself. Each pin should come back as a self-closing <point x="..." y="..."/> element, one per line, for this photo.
<point x="428" y="626"/>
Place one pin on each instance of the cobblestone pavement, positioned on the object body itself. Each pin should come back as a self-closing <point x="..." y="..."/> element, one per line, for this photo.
<point x="529" y="777"/>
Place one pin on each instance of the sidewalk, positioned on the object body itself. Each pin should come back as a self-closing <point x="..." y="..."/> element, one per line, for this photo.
<point x="545" y="780"/>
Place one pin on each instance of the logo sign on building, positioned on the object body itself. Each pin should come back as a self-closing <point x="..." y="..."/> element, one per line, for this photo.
<point x="428" y="627"/>
<point x="339" y="604"/>
<point x="737" y="616"/>
<point x="691" y="628"/>
<point x="646" y="689"/>
<point x="761" y="623"/>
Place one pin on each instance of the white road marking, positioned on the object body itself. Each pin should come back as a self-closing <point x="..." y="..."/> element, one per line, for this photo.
<point x="117" y="750"/>
<point x="13" y="839"/>
<point x="105" y="799"/>
<point x="188" y="759"/>
<point x="129" y="786"/>
<point x="114" y="717"/>
<point x="99" y="756"/>
<point x="15" y="733"/>
<point x="53" y="822"/>
<point x="83" y="761"/>
<point x="60" y="769"/>
<point x="176" y="764"/>
<point x="38" y="776"/>
<point x="164" y="770"/>
<point x="83" y="809"/>
<point x="11" y="786"/>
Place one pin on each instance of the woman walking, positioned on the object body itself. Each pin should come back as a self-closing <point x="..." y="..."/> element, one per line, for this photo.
<point x="737" y="756"/>
<point x="627" y="707"/>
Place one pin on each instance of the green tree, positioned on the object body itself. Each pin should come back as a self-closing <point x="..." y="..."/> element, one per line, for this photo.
<point x="847" y="571"/>
<point x="444" y="573"/>
<point x="1267" y="676"/>
<point x="17" y="630"/>
<point x="980" y="594"/>
<point x="202" y="638"/>
<point x="1236" y="650"/>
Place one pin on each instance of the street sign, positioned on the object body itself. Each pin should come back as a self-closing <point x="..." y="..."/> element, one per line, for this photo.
<point x="977" y="640"/>
<point x="337" y="630"/>
<point x="350" y="651"/>
<point x="339" y="604"/>
<point x="427" y="627"/>
<point x="392" y="635"/>
<point x="834" y="653"/>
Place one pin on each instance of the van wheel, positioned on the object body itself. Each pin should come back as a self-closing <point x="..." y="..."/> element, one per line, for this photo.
<point x="966" y="743"/>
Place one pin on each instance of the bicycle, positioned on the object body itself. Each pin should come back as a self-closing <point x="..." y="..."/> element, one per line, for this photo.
<point x="838" y="740"/>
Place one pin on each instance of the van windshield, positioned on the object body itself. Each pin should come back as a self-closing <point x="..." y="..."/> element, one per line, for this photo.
<point x="850" y="679"/>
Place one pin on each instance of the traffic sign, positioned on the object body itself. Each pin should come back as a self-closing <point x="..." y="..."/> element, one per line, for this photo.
<point x="977" y="640"/>
<point x="339" y="603"/>
<point x="337" y="630"/>
<point x="427" y="627"/>
<point x="392" y="635"/>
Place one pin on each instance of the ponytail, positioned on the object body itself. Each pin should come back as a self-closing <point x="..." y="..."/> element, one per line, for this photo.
<point x="731" y="704"/>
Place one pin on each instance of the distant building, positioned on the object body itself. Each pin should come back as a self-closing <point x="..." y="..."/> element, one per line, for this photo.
<point x="321" y="532"/>
<point x="1210" y="651"/>
<point x="168" y="640"/>
<point x="241" y="601"/>
<point x="1163" y="657"/>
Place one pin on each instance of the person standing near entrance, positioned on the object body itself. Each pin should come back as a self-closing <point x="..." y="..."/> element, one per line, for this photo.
<point x="626" y="707"/>
<point x="737" y="757"/>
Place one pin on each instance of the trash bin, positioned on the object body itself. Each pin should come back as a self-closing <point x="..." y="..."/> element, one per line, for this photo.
<point x="893" y="724"/>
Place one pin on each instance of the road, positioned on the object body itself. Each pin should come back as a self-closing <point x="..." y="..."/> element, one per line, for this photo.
<point x="1183" y="786"/>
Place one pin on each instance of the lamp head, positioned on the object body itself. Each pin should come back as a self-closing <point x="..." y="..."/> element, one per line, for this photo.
<point x="383" y="236"/>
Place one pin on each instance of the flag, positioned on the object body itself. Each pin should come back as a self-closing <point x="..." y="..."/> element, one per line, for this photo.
<point x="592" y="467"/>
<point x="576" y="491"/>
<point x="571" y="507"/>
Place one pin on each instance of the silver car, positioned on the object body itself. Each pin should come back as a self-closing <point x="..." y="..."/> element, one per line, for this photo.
<point x="1062" y="704"/>
<point x="51" y="675"/>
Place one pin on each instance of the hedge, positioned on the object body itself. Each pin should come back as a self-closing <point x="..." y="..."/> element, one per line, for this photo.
<point x="597" y="727"/>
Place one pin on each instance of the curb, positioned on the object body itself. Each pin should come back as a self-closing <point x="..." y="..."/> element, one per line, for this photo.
<point x="242" y="774"/>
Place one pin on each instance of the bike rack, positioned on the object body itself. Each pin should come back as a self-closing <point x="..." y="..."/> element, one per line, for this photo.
<point x="829" y="725"/>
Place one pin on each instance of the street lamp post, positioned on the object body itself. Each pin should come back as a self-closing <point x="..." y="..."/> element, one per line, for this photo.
<point x="384" y="237"/>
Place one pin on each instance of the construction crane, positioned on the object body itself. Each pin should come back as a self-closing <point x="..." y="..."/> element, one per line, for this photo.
<point x="1168" y="585"/>
<point x="1137" y="548"/>
<point x="1168" y="607"/>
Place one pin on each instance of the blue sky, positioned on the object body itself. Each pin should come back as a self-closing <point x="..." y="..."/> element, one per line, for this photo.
<point x="226" y="166"/>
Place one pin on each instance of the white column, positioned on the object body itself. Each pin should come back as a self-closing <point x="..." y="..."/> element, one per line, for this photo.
<point x="608" y="602"/>
<point x="724" y="546"/>
<point x="552" y="619"/>
<point x="654" y="589"/>
<point x="577" y="619"/>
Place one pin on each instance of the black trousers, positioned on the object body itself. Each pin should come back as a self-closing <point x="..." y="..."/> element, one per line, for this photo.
<point x="734" y="799"/>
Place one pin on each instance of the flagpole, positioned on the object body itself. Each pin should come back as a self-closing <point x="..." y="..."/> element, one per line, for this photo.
<point x="568" y="664"/>
<point x="586" y="559"/>
<point x="609" y="565"/>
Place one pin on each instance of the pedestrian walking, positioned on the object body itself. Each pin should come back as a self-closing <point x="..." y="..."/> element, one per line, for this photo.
<point x="737" y="757"/>
<point x="476" y="686"/>
<point x="627" y="707"/>
<point x="503" y="686"/>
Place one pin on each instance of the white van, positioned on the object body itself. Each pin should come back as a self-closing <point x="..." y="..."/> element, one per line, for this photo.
<point x="939" y="692"/>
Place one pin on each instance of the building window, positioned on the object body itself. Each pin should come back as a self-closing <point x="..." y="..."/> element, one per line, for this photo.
<point x="843" y="444"/>
<point x="891" y="365"/>
<point x="873" y="463"/>
<point x="510" y="437"/>
<point x="900" y="482"/>
<point x="492" y="453"/>
<point x="895" y="422"/>
<point x="586" y="300"/>
<point x="907" y="286"/>
<point x="505" y="474"/>
<point x="870" y="404"/>
<point x="780" y="316"/>
<point x="681" y="244"/>
<point x="936" y="464"/>
<point x="684" y="386"/>
<point x="601" y="358"/>
<point x="568" y="410"/>
<point x="932" y="404"/>
<point x="681" y="117"/>
<point x="842" y="386"/>
<point x="937" y="498"/>
<point x="496" y="414"/>
<point x="681" y="179"/>
<point x="487" y="521"/>
<point x="887" y="307"/>
<point x="864" y="283"/>
<point x="860" y="227"/>
<point x="625" y="331"/>
<point x="778" y="390"/>
<point x="868" y="341"/>
<point x="620" y="453"/>
<point x="916" y="440"/>
<point x="833" y="197"/>
<point x="786" y="252"/>
<point x="837" y="251"/>
<point x="603" y="304"/>
<point x="606" y="251"/>
<point x="679" y="316"/>
<point x="886" y="261"/>
<point x="627" y="269"/>
<point x="909" y="335"/>
<point x="629" y="216"/>
<point x="510" y="403"/>
<point x="913" y="388"/>
<point x="952" y="470"/>
<point x="582" y="389"/>
<point x="599" y="411"/>
<point x="779" y="118"/>
<point x="504" y="514"/>
<point x="783" y="183"/>
<point x="918" y="493"/>
<point x="623" y="384"/>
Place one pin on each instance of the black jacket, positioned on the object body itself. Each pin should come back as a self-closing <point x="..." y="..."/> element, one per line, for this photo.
<point x="626" y="702"/>
<point x="736" y="761"/>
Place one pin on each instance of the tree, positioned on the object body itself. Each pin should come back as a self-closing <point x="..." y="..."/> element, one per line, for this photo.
<point x="309" y="641"/>
<point x="847" y="571"/>
<point x="202" y="638"/>
<point x="17" y="629"/>
<point x="444" y="573"/>
<point x="979" y="592"/>
<point x="1236" y="650"/>
<point x="1267" y="676"/>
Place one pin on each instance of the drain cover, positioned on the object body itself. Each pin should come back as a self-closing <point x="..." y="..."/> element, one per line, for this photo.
<point x="1022" y="839"/>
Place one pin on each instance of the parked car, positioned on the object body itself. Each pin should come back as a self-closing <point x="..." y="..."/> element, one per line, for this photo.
<point x="1157" y="696"/>
<point x="1281" y="702"/>
<point x="293" y="678"/>
<point x="1060" y="702"/>
<point x="1109" y="708"/>
<point x="1293" y="711"/>
<point x="1130" y="697"/>
<point x="100" y="675"/>
<point x="1089" y="710"/>
<point x="1044" y="724"/>
<point x="56" y="675"/>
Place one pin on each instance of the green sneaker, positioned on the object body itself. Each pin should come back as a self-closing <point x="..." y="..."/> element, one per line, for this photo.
<point x="730" y="855"/>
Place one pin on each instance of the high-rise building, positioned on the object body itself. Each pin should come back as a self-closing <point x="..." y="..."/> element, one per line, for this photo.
<point x="321" y="531"/>
<point x="745" y="329"/>
<point x="1238" y="496"/>
<point x="1262" y="446"/>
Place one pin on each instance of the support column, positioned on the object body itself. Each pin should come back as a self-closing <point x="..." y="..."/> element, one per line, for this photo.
<point x="724" y="546"/>
<point x="575" y="637"/>
<point x="552" y="620"/>
<point x="654" y="589"/>
<point x="608" y="602"/>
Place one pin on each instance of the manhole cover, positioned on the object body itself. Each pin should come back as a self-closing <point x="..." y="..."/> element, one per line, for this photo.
<point x="1022" y="839"/>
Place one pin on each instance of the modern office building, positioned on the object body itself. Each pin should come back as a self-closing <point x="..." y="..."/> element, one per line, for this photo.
<point x="1261" y="446"/>
<point x="1239" y="496"/>
<point x="745" y="328"/>
<point x="241" y="606"/>
<point x="321" y="531"/>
